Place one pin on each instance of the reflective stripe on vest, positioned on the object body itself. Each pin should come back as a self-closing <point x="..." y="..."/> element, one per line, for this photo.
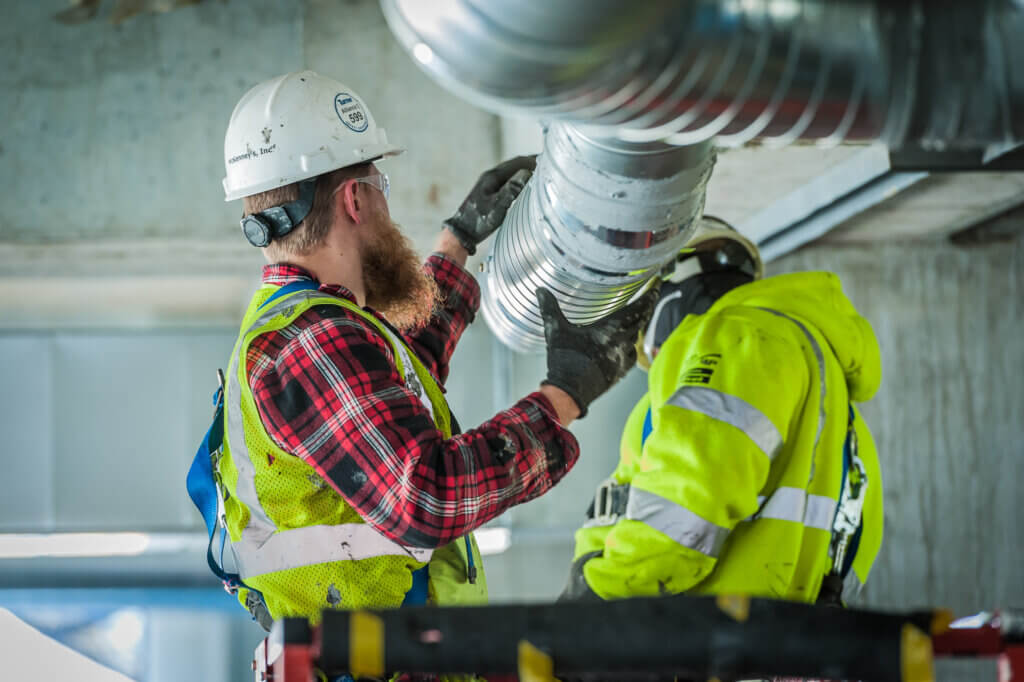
<point x="261" y="548"/>
<point x="731" y="410"/>
<point x="795" y="504"/>
<point x="677" y="522"/>
<point x="344" y="542"/>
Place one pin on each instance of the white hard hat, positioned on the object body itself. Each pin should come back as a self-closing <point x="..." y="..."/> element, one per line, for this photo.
<point x="714" y="247"/>
<point x="294" y="127"/>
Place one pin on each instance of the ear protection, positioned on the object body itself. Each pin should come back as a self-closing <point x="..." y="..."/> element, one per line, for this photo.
<point x="277" y="221"/>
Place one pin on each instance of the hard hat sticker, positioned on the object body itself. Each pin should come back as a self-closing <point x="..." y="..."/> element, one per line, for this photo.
<point x="350" y="111"/>
<point x="251" y="153"/>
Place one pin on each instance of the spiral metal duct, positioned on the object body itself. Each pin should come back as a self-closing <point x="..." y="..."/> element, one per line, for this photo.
<point x="622" y="83"/>
<point x="596" y="221"/>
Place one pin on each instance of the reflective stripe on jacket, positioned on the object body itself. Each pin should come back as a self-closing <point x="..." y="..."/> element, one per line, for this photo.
<point x="736" y="487"/>
<point x="294" y="538"/>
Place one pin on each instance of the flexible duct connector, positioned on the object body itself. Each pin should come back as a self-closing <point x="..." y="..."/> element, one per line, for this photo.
<point x="619" y="75"/>
<point x="596" y="221"/>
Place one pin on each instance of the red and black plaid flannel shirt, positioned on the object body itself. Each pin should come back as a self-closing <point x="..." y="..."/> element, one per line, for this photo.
<point x="328" y="390"/>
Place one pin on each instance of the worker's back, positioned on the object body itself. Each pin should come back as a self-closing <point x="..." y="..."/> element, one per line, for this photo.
<point x="735" y="457"/>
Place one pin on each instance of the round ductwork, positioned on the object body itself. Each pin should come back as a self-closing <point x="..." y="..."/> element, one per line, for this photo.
<point x="598" y="219"/>
<point x="622" y="83"/>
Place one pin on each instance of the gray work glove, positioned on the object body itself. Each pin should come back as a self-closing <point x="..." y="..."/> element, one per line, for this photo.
<point x="585" y="361"/>
<point x="484" y="209"/>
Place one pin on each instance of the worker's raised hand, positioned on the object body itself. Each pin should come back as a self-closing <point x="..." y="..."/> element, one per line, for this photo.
<point x="484" y="209"/>
<point x="587" y="360"/>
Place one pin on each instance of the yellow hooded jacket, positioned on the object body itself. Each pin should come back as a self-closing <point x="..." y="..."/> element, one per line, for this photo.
<point x="736" y="487"/>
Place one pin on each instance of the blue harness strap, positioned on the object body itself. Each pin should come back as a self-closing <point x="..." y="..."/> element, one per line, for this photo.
<point x="202" y="488"/>
<point x="287" y="289"/>
<point x="470" y="563"/>
<point x="199" y="481"/>
<point x="417" y="594"/>
<point x="648" y="428"/>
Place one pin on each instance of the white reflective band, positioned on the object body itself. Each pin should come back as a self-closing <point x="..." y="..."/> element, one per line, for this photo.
<point x="820" y="357"/>
<point x="259" y="527"/>
<point x="731" y="410"/>
<point x="675" y="521"/>
<point x="795" y="504"/>
<point x="317" y="545"/>
<point x="820" y="512"/>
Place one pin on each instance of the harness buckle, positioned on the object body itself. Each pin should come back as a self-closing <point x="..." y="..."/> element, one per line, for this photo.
<point x="609" y="503"/>
<point x="218" y="395"/>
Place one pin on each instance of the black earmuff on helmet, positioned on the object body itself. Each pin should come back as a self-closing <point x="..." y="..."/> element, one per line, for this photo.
<point x="717" y="260"/>
<point x="272" y="223"/>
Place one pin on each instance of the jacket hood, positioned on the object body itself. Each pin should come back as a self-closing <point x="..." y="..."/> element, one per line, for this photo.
<point x="817" y="298"/>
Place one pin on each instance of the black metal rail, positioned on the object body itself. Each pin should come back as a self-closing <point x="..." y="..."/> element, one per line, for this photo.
<point x="685" y="637"/>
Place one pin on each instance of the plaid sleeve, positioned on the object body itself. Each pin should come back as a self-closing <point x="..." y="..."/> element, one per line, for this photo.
<point x="333" y="396"/>
<point x="460" y="299"/>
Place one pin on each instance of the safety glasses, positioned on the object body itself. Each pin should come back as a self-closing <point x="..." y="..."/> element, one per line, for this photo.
<point x="380" y="181"/>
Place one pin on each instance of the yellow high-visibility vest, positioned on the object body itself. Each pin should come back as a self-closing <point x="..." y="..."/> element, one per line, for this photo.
<point x="294" y="538"/>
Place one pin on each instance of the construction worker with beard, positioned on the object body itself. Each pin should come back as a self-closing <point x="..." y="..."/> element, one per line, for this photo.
<point x="344" y="480"/>
<point x="746" y="468"/>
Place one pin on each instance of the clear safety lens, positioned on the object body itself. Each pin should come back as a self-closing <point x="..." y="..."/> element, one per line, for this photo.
<point x="381" y="181"/>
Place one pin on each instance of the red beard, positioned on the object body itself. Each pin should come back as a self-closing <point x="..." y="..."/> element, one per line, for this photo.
<point x="395" y="282"/>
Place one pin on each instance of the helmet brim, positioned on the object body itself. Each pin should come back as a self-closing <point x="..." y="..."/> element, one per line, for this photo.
<point x="365" y="154"/>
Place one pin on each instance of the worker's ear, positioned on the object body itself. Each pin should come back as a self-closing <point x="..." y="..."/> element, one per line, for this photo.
<point x="352" y="203"/>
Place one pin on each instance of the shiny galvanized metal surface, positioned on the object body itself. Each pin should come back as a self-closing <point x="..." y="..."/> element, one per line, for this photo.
<point x="596" y="222"/>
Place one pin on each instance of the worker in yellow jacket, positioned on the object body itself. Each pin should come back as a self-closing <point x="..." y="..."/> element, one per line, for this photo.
<point x="746" y="468"/>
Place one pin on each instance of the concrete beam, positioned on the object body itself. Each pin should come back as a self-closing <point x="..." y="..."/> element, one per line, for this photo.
<point x="935" y="208"/>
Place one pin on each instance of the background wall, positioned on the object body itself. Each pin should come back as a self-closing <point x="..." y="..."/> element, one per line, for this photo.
<point x="948" y="417"/>
<point x="122" y="276"/>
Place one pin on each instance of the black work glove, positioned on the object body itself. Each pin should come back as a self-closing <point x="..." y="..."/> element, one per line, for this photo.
<point x="484" y="209"/>
<point x="585" y="361"/>
<point x="577" y="588"/>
